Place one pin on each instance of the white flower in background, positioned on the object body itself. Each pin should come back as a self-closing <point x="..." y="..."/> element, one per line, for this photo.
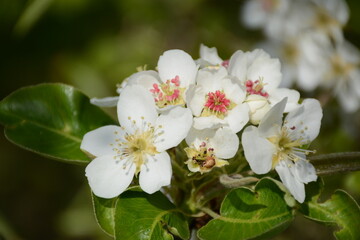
<point x="176" y="72"/>
<point x="209" y="57"/>
<point x="275" y="144"/>
<point x="304" y="59"/>
<point x="330" y="16"/>
<point x="217" y="100"/>
<point x="260" y="75"/>
<point x="264" y="13"/>
<point x="343" y="75"/>
<point x="137" y="147"/>
<point x="209" y="147"/>
<point x="289" y="19"/>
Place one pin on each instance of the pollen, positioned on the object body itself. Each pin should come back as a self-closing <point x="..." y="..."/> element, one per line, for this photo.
<point x="256" y="87"/>
<point x="217" y="104"/>
<point x="203" y="157"/>
<point x="168" y="93"/>
<point x="134" y="149"/>
<point x="289" y="146"/>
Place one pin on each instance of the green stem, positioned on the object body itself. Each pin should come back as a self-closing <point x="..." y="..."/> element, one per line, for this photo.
<point x="210" y="212"/>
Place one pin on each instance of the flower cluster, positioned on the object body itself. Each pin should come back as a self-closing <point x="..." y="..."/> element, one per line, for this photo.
<point x="207" y="102"/>
<point x="307" y="36"/>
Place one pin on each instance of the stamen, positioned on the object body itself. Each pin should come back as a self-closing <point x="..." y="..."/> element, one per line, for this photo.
<point x="256" y="87"/>
<point x="168" y="93"/>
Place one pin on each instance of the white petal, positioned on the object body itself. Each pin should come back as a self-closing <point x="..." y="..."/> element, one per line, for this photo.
<point x="268" y="69"/>
<point x="238" y="117"/>
<point x="254" y="14"/>
<point x="192" y="166"/>
<point x="225" y="143"/>
<point x="105" y="102"/>
<point x="175" y="124"/>
<point x="145" y="78"/>
<point x="135" y="102"/>
<point x="177" y="63"/>
<point x="348" y="100"/>
<point x="306" y="119"/>
<point x="208" y="122"/>
<point x="233" y="91"/>
<point x="210" y="55"/>
<point x="156" y="174"/>
<point x="195" y="98"/>
<point x="210" y="79"/>
<point x="258" y="150"/>
<point x="97" y="142"/>
<point x="293" y="97"/>
<point x="196" y="136"/>
<point x="272" y="121"/>
<point x="107" y="178"/>
<point x="295" y="187"/>
<point x="305" y="171"/>
<point x="238" y="65"/>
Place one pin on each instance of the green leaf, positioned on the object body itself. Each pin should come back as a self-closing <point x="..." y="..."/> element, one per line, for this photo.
<point x="327" y="164"/>
<point x="246" y="214"/>
<point x="104" y="210"/>
<point x="51" y="119"/>
<point x="340" y="210"/>
<point x="143" y="216"/>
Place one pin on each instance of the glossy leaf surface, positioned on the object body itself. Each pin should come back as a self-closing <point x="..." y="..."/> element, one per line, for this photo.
<point x="51" y="119"/>
<point x="246" y="214"/>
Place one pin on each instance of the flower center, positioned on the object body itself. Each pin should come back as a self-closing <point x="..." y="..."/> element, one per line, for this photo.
<point x="217" y="104"/>
<point x="135" y="148"/>
<point x="288" y="147"/>
<point x="203" y="156"/>
<point x="256" y="87"/>
<point x="340" y="67"/>
<point x="168" y="93"/>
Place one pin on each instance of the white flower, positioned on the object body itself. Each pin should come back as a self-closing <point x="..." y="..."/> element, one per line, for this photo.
<point x="277" y="144"/>
<point x="176" y="72"/>
<point x="343" y="75"/>
<point x="264" y="13"/>
<point x="208" y="147"/>
<point x="139" y="145"/>
<point x="260" y="75"/>
<point x="330" y="17"/>
<point x="217" y="100"/>
<point x="282" y="19"/>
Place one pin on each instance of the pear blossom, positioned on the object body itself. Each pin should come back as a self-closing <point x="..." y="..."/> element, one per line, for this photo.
<point x="176" y="72"/>
<point x="343" y="75"/>
<point x="138" y="147"/>
<point x="209" y="147"/>
<point x="303" y="58"/>
<point x="217" y="100"/>
<point x="264" y="13"/>
<point x="330" y="17"/>
<point x="261" y="76"/>
<point x="283" y="18"/>
<point x="277" y="144"/>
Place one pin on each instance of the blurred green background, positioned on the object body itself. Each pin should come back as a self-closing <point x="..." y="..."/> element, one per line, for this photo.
<point x="94" y="45"/>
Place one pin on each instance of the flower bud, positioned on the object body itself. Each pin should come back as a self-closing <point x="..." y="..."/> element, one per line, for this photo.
<point x="259" y="106"/>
